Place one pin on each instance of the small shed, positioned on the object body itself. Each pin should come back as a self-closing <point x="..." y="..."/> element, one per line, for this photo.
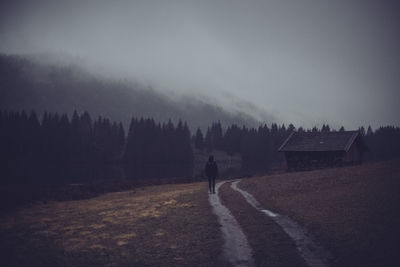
<point x="313" y="150"/>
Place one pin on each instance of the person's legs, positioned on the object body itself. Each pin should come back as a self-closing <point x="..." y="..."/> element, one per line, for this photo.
<point x="209" y="184"/>
<point x="213" y="185"/>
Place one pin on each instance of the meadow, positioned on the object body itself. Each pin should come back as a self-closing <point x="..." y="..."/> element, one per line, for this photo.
<point x="353" y="212"/>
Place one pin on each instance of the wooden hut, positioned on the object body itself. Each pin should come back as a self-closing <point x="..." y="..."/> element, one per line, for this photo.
<point x="313" y="150"/>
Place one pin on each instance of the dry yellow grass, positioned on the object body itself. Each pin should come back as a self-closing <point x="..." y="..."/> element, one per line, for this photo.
<point x="151" y="225"/>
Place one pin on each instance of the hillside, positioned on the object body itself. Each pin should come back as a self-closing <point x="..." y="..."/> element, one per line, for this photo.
<point x="29" y="84"/>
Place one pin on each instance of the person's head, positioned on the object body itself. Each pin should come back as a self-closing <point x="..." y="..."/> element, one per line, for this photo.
<point x="211" y="158"/>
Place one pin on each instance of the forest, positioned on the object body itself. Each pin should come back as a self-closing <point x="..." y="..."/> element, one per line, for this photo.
<point x="55" y="149"/>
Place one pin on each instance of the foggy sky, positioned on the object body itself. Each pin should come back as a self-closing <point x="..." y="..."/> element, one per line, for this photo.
<point x="305" y="62"/>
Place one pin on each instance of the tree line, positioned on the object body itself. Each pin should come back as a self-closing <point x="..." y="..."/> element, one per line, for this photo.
<point x="259" y="146"/>
<point x="56" y="148"/>
<point x="383" y="143"/>
<point x="158" y="150"/>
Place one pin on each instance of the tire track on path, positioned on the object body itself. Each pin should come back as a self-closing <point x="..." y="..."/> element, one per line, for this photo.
<point x="312" y="253"/>
<point x="236" y="246"/>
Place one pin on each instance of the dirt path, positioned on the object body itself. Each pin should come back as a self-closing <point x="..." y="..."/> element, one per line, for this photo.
<point x="312" y="253"/>
<point x="236" y="247"/>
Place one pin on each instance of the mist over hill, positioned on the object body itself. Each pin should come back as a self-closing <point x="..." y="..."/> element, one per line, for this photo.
<point x="27" y="83"/>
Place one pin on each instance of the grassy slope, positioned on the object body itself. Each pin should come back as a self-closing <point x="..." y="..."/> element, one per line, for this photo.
<point x="354" y="211"/>
<point x="158" y="225"/>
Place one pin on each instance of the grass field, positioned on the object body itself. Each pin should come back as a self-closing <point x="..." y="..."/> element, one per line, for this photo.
<point x="158" y="225"/>
<point x="354" y="212"/>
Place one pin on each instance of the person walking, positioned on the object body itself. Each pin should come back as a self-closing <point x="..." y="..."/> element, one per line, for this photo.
<point x="211" y="170"/>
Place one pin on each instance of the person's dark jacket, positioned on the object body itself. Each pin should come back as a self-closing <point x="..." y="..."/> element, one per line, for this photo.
<point x="211" y="169"/>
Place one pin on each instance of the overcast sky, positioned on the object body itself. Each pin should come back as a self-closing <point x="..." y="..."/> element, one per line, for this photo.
<point x="306" y="62"/>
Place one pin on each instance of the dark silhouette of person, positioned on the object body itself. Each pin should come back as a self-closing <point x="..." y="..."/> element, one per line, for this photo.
<point x="211" y="170"/>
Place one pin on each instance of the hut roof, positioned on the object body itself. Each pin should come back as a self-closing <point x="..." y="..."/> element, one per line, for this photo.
<point x="319" y="141"/>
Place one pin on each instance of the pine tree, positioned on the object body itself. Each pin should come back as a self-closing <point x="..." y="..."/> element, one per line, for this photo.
<point x="199" y="140"/>
<point x="216" y="135"/>
<point x="369" y="131"/>
<point x="208" y="142"/>
<point x="362" y="130"/>
<point x="325" y="128"/>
